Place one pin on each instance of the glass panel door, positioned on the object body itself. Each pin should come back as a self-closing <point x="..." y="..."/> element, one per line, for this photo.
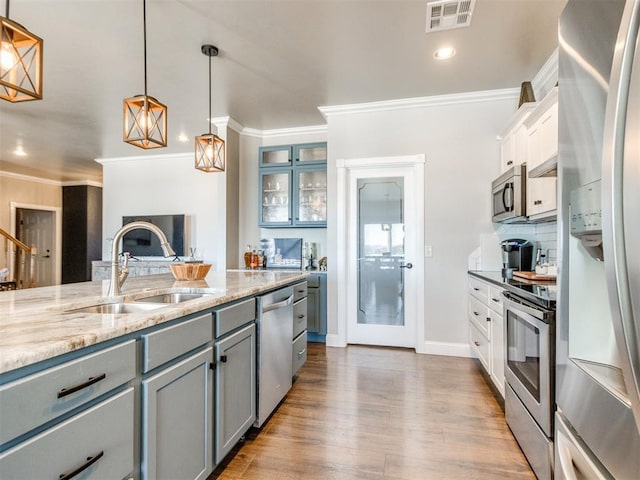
<point x="381" y="251"/>
<point x="310" y="153"/>
<point x="312" y="196"/>
<point x="275" y="201"/>
<point x="275" y="156"/>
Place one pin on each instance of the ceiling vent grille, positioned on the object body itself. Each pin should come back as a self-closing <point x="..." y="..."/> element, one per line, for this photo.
<point x="448" y="14"/>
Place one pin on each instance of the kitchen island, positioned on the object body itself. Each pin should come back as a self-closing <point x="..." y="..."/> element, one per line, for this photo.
<point x="151" y="380"/>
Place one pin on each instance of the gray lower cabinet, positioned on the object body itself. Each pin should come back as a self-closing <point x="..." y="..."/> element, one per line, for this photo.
<point x="94" y="444"/>
<point x="317" y="306"/>
<point x="177" y="422"/>
<point x="235" y="405"/>
<point x="300" y="325"/>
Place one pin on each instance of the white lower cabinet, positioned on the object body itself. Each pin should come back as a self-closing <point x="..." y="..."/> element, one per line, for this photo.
<point x="177" y="423"/>
<point x="486" y="328"/>
<point x="97" y="443"/>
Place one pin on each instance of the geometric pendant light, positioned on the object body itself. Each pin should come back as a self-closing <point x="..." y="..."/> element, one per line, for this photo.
<point x="20" y="62"/>
<point x="210" y="148"/>
<point x="144" y="117"/>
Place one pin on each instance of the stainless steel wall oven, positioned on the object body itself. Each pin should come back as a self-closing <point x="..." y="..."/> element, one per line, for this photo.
<point x="529" y="373"/>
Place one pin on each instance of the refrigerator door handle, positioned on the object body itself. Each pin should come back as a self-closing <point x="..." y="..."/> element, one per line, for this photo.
<point x="627" y="331"/>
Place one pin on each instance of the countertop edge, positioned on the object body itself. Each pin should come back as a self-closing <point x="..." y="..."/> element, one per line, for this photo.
<point x="16" y="354"/>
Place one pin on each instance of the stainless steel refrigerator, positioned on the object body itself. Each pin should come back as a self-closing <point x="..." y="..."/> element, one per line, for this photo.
<point x="597" y="423"/>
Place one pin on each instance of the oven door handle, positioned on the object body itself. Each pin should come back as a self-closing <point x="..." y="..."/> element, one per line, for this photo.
<point x="536" y="312"/>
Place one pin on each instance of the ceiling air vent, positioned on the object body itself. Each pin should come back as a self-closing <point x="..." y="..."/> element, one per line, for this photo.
<point x="448" y="14"/>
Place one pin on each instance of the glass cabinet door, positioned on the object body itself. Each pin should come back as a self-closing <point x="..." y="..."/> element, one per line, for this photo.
<point x="310" y="153"/>
<point x="311" y="191"/>
<point x="275" y="156"/>
<point x="275" y="201"/>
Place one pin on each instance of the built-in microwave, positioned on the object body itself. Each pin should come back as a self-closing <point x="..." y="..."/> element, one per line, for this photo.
<point x="509" y="198"/>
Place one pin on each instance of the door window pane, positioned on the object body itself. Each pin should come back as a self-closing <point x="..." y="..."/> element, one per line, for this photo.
<point x="381" y="251"/>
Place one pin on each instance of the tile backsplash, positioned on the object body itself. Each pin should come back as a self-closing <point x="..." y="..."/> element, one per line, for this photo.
<point x="542" y="235"/>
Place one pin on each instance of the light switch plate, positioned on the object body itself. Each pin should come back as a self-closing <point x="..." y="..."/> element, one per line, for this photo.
<point x="427" y="251"/>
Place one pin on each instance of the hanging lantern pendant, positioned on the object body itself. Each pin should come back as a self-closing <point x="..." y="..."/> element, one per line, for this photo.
<point x="144" y="117"/>
<point x="210" y="148"/>
<point x="20" y="62"/>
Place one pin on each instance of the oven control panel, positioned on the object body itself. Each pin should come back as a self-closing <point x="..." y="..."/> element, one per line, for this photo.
<point x="586" y="210"/>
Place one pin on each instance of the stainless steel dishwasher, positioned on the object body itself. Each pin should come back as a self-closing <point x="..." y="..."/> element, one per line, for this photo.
<point x="275" y="323"/>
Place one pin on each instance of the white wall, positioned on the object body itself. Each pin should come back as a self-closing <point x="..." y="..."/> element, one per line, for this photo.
<point x="167" y="184"/>
<point x="462" y="158"/>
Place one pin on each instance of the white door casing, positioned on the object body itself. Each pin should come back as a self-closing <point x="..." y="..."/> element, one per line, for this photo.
<point x="346" y="262"/>
<point x="55" y="255"/>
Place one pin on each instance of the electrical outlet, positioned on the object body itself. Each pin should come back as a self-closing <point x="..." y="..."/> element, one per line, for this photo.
<point x="427" y="251"/>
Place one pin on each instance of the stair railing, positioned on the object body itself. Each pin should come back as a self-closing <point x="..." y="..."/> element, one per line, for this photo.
<point x="25" y="254"/>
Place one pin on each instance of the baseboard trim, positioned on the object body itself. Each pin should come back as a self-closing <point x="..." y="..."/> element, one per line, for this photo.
<point x="446" y="349"/>
<point x="333" y="340"/>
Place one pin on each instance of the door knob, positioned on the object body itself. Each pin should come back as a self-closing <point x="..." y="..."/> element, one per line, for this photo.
<point x="407" y="265"/>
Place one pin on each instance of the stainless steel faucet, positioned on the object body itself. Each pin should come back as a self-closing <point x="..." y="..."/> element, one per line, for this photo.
<point x="119" y="275"/>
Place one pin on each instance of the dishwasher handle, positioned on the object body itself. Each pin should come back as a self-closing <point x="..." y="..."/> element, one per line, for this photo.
<point x="277" y="305"/>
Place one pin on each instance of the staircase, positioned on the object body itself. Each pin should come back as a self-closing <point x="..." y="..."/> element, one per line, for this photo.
<point x="20" y="261"/>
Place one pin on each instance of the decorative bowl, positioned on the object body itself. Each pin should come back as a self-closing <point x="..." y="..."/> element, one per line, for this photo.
<point x="189" y="271"/>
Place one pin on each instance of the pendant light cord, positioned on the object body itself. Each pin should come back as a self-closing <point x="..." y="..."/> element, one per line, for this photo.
<point x="7" y="9"/>
<point x="209" y="94"/>
<point x="144" y="29"/>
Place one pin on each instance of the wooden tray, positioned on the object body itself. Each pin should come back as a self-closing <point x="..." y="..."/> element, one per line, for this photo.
<point x="534" y="276"/>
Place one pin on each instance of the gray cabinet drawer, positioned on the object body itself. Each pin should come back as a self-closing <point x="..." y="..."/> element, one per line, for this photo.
<point x="171" y="342"/>
<point x="299" y="352"/>
<point x="299" y="317"/>
<point x="106" y="429"/>
<point x="313" y="281"/>
<point x="299" y="291"/>
<point x="234" y="316"/>
<point x="36" y="399"/>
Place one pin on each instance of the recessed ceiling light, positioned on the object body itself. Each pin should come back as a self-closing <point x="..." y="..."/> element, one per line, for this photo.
<point x="183" y="137"/>
<point x="444" y="53"/>
<point x="19" y="151"/>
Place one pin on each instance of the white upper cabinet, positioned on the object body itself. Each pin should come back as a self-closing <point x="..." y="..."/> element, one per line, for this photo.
<point x="542" y="158"/>
<point x="513" y="147"/>
<point x="542" y="133"/>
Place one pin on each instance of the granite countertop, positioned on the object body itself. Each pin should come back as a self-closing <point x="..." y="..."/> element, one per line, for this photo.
<point x="540" y="292"/>
<point x="36" y="324"/>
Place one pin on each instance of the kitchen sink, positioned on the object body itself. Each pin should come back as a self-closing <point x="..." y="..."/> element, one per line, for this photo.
<point x="171" y="298"/>
<point x="107" y="308"/>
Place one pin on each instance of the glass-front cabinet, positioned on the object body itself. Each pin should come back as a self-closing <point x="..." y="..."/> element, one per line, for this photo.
<point x="293" y="185"/>
<point x="275" y="203"/>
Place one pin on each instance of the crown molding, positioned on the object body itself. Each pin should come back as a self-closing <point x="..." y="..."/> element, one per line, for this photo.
<point x="422" y="102"/>
<point x="547" y="76"/>
<point x="227" y="122"/>
<point x="82" y="183"/>
<point x="29" y="178"/>
<point x="283" y="132"/>
<point x="165" y="156"/>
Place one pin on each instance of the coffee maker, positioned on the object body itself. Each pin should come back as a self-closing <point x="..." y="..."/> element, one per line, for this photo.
<point x="517" y="255"/>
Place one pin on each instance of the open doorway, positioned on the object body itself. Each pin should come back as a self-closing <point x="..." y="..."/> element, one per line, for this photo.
<point x="40" y="226"/>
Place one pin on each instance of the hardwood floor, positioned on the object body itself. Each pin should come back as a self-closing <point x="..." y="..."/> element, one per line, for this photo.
<point x="382" y="413"/>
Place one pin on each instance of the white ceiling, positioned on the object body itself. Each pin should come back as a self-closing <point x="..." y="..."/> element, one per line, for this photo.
<point x="279" y="60"/>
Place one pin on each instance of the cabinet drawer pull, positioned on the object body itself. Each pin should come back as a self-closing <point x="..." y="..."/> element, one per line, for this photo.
<point x="477" y="343"/>
<point x="476" y="313"/>
<point x="301" y="352"/>
<point x="495" y="300"/>
<point x="69" y="390"/>
<point x="90" y="461"/>
<point x="476" y="289"/>
<point x="537" y="202"/>
<point x="223" y="358"/>
<point x="510" y="162"/>
<point x="300" y="317"/>
<point x="488" y="319"/>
